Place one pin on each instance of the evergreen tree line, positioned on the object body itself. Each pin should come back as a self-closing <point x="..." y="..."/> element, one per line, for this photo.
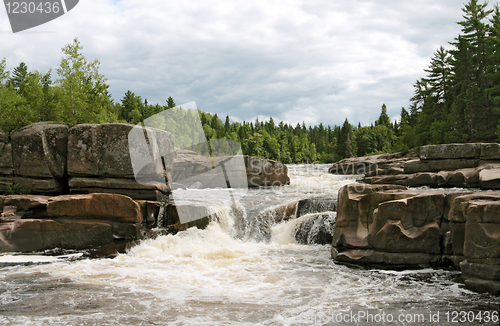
<point x="457" y="101"/>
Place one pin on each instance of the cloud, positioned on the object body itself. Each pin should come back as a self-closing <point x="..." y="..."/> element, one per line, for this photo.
<point x="313" y="61"/>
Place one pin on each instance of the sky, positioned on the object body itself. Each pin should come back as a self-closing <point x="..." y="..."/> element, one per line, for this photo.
<point x="312" y="61"/>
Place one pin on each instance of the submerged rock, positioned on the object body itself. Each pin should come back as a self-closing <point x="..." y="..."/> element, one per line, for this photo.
<point x="316" y="228"/>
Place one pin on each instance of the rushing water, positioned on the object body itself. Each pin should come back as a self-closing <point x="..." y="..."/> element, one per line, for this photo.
<point x="224" y="275"/>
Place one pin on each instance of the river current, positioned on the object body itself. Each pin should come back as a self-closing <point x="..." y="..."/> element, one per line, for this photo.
<point x="228" y="274"/>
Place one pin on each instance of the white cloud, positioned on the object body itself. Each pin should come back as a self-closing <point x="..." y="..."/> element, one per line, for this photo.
<point x="292" y="60"/>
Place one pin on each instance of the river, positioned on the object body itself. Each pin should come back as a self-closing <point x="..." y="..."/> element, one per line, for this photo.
<point x="225" y="275"/>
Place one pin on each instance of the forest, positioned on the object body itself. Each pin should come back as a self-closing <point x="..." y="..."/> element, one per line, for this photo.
<point x="457" y="101"/>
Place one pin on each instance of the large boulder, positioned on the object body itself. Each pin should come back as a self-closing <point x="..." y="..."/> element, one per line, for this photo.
<point x="120" y="159"/>
<point x="105" y="150"/>
<point x="265" y="173"/>
<point x="39" y="150"/>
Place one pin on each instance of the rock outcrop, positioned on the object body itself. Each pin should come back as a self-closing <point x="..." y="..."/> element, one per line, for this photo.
<point x="390" y="226"/>
<point x="474" y="165"/>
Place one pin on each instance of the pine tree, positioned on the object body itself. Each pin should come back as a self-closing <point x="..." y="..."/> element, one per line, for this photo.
<point x="384" y="118"/>
<point x="170" y="102"/>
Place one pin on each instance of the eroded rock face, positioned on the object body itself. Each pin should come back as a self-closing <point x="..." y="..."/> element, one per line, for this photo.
<point x="399" y="228"/>
<point x="380" y="224"/>
<point x="481" y="234"/>
<point x="356" y="204"/>
<point x="27" y="235"/>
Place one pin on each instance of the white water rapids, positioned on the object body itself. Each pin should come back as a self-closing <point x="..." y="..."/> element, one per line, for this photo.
<point x="217" y="276"/>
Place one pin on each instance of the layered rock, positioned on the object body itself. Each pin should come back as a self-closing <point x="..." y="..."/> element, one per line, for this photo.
<point x="474" y="165"/>
<point x="389" y="226"/>
<point x="68" y="222"/>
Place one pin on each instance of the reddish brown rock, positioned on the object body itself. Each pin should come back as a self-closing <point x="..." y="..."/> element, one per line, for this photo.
<point x="356" y="204"/>
<point x="95" y="206"/>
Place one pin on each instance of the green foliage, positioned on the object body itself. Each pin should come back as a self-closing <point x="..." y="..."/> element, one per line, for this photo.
<point x="16" y="189"/>
<point x="458" y="100"/>
<point x="84" y="96"/>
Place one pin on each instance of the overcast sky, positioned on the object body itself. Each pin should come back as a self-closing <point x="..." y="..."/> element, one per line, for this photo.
<point x="312" y="60"/>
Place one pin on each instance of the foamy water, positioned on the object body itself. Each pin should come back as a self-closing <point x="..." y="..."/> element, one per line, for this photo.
<point x="215" y="277"/>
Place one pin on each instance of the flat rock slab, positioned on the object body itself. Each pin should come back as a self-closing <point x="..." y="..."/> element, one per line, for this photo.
<point x="450" y="151"/>
<point x="490" y="179"/>
<point x="483" y="271"/>
<point x="95" y="206"/>
<point x="386" y="260"/>
<point x="24" y="202"/>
